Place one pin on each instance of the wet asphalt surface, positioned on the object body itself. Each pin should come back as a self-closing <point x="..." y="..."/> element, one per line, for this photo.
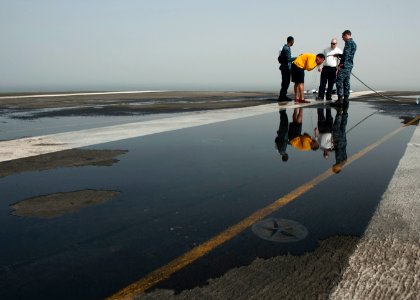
<point x="177" y="189"/>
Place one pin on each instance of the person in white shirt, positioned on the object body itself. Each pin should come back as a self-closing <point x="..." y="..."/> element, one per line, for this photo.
<point x="329" y="70"/>
<point x="323" y="132"/>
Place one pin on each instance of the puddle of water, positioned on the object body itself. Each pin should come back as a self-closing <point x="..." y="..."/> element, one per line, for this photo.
<point x="179" y="188"/>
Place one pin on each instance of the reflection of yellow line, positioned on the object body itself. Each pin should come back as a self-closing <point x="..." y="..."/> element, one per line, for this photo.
<point x="187" y="258"/>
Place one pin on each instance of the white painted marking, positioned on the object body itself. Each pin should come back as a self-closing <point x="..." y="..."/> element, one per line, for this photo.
<point x="78" y="94"/>
<point x="362" y="93"/>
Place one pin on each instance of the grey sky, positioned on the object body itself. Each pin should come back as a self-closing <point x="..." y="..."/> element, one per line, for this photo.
<point x="197" y="45"/>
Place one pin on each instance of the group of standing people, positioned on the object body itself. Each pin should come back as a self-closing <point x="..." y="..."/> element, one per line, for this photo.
<point x="329" y="135"/>
<point x="291" y="134"/>
<point x="335" y="67"/>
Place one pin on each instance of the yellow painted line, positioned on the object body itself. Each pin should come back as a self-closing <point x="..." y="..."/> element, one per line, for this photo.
<point x="187" y="258"/>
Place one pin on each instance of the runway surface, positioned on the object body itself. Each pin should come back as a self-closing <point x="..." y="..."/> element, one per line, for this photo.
<point x="168" y="206"/>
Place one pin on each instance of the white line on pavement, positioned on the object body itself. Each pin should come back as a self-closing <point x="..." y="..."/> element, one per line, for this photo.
<point x="77" y="94"/>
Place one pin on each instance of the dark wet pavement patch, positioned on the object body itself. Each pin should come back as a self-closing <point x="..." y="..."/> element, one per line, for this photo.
<point x="59" y="204"/>
<point x="130" y="104"/>
<point x="62" y="159"/>
<point x="143" y="109"/>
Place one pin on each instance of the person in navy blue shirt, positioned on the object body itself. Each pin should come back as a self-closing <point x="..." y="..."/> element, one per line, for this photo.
<point x="345" y="67"/>
<point x="285" y="59"/>
<point x="282" y="137"/>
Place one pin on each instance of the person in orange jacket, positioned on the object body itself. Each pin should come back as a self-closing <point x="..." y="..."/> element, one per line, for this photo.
<point x="308" y="62"/>
<point x="302" y="142"/>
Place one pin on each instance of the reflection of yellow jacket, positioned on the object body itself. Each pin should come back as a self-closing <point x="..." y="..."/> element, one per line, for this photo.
<point x="306" y="61"/>
<point x="302" y="142"/>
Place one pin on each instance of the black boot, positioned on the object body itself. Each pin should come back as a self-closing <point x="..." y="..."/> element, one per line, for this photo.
<point x="283" y="99"/>
<point x="346" y="101"/>
<point x="339" y="109"/>
<point x="345" y="105"/>
<point x="339" y="102"/>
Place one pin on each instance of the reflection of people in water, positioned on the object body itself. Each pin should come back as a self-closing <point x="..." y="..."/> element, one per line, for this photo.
<point x="302" y="142"/>
<point x="282" y="136"/>
<point x="339" y="139"/>
<point x="323" y="133"/>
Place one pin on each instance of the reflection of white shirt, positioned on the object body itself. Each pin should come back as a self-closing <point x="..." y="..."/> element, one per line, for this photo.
<point x="330" y="60"/>
<point x="324" y="141"/>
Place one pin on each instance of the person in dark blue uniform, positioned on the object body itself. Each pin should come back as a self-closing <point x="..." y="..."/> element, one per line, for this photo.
<point x="282" y="140"/>
<point x="345" y="67"/>
<point x="285" y="59"/>
<point x="339" y="139"/>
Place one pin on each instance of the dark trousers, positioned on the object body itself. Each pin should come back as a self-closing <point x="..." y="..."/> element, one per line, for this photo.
<point x="282" y="134"/>
<point x="328" y="74"/>
<point x="339" y="137"/>
<point x="325" y="122"/>
<point x="285" y="80"/>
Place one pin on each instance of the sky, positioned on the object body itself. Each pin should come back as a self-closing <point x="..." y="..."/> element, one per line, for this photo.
<point x="229" y="45"/>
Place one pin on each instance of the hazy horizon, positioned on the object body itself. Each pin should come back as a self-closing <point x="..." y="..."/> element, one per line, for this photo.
<point x="188" y="45"/>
